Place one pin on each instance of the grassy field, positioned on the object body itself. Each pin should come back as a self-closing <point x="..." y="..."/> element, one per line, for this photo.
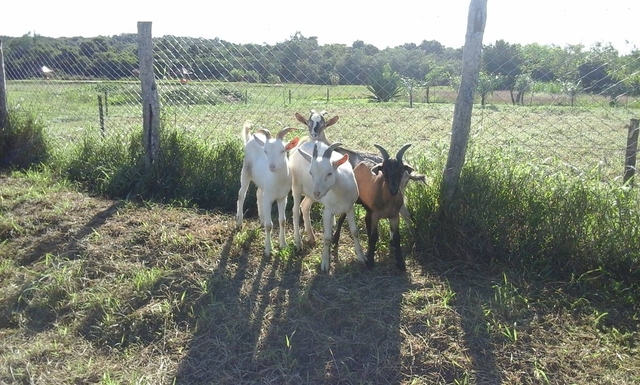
<point x="97" y="291"/>
<point x="532" y="280"/>
<point x="590" y="135"/>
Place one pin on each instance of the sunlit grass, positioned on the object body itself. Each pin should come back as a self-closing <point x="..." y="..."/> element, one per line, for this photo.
<point x="531" y="276"/>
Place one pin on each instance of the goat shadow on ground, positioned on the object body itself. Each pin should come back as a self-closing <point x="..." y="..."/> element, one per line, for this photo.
<point x="271" y="320"/>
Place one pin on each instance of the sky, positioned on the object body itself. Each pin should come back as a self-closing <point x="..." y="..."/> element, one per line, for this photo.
<point x="387" y="24"/>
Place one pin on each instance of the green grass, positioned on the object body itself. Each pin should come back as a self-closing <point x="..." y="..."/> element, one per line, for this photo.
<point x="533" y="278"/>
<point x="113" y="273"/>
<point x="588" y="136"/>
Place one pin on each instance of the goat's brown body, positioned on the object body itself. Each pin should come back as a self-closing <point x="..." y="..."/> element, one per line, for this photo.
<point x="379" y="203"/>
<point x="374" y="192"/>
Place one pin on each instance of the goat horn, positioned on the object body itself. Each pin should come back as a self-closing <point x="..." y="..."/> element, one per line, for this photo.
<point x="284" y="131"/>
<point x="265" y="132"/>
<point x="385" y="154"/>
<point x="401" y="152"/>
<point x="327" y="152"/>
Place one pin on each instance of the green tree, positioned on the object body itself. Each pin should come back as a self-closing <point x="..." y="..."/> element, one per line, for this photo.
<point x="627" y="73"/>
<point x="486" y="85"/>
<point x="571" y="89"/>
<point x="505" y="60"/>
<point x="437" y="75"/>
<point x="522" y="85"/>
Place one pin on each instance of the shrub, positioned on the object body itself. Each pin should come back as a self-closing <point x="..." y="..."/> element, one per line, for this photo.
<point x="384" y="84"/>
<point x="251" y="76"/>
<point x="22" y="142"/>
<point x="186" y="95"/>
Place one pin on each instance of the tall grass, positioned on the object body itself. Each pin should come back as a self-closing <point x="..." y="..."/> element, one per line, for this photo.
<point x="22" y="142"/>
<point x="532" y="217"/>
<point x="187" y="171"/>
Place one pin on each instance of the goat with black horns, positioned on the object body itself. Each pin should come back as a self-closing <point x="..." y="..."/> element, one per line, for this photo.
<point x="380" y="189"/>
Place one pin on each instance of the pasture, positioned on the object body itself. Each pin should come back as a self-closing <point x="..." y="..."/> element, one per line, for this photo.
<point x="591" y="135"/>
<point x="531" y="281"/>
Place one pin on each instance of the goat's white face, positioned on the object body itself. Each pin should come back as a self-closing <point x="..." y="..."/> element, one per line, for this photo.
<point x="316" y="124"/>
<point x="323" y="174"/>
<point x="323" y="170"/>
<point x="275" y="153"/>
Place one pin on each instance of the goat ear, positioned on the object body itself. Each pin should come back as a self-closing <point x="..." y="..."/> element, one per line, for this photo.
<point x="292" y="143"/>
<point x="376" y="169"/>
<point x="258" y="140"/>
<point x="408" y="168"/>
<point x="305" y="155"/>
<point x="340" y="161"/>
<point x="331" y="121"/>
<point x="301" y="119"/>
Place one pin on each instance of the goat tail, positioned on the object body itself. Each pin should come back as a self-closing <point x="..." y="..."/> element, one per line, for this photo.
<point x="246" y="128"/>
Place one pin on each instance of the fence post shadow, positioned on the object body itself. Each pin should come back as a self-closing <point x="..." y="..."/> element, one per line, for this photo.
<point x="471" y="287"/>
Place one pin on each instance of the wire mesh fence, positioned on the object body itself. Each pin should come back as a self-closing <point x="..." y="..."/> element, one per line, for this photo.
<point x="566" y="107"/>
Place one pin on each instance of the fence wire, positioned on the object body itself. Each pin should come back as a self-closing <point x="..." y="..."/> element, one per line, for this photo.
<point x="563" y="107"/>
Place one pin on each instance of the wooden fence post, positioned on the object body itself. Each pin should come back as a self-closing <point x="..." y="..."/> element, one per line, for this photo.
<point x="101" y="115"/>
<point x="632" y="151"/>
<point x="461" y="125"/>
<point x="4" y="109"/>
<point x="150" y="103"/>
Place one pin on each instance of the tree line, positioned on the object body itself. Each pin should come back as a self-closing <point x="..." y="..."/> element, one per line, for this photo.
<point x="599" y="69"/>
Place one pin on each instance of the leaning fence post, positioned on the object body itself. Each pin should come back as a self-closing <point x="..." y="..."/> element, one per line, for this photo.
<point x="150" y="103"/>
<point x="4" y="110"/>
<point x="461" y="125"/>
<point x="632" y="151"/>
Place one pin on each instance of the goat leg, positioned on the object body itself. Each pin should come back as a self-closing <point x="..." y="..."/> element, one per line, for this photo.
<point x="372" y="231"/>
<point x="351" y="218"/>
<point x="282" y="204"/>
<point x="244" y="186"/>
<point x="394" y="223"/>
<point x="336" y="233"/>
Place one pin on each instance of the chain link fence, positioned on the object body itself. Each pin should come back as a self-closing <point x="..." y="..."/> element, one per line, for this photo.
<point x="567" y="107"/>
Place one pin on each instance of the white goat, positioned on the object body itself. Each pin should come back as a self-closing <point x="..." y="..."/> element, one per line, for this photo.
<point x="265" y="163"/>
<point x="327" y="179"/>
<point x="316" y="125"/>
